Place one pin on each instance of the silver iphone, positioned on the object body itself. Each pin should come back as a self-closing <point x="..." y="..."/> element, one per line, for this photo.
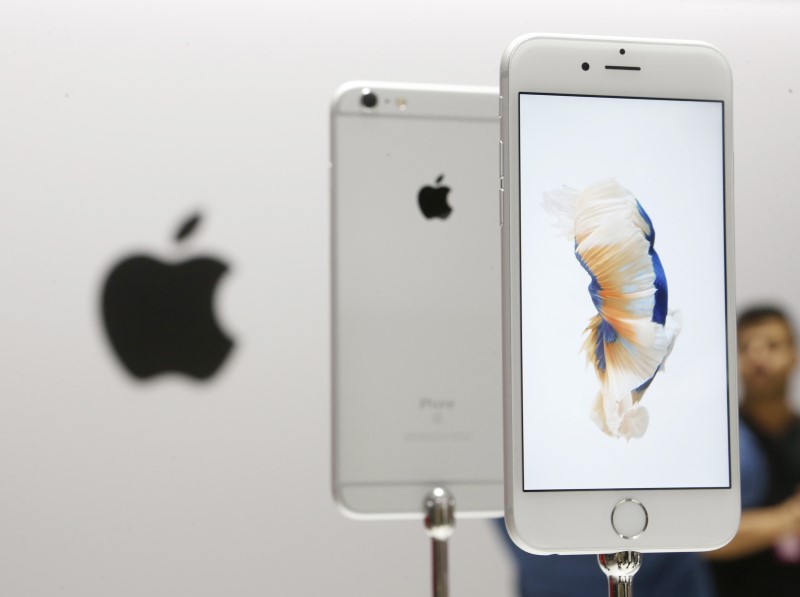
<point x="620" y="393"/>
<point x="416" y="299"/>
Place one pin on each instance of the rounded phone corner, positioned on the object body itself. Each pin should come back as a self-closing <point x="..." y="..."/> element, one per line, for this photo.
<point x="353" y="504"/>
<point x="345" y="509"/>
<point x="517" y="537"/>
<point x="523" y="40"/>
<point x="511" y="49"/>
<point x="727" y="535"/>
<point x="343" y="91"/>
<point x="723" y="61"/>
<point x="719" y="54"/>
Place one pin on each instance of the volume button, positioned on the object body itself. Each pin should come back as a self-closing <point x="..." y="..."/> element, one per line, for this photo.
<point x="500" y="107"/>
<point x="501" y="207"/>
<point x="501" y="159"/>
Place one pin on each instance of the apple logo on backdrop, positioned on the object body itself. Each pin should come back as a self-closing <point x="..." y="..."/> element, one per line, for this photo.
<point x="159" y="316"/>
<point x="433" y="200"/>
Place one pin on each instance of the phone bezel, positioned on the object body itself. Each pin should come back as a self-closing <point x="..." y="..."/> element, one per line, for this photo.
<point x="579" y="521"/>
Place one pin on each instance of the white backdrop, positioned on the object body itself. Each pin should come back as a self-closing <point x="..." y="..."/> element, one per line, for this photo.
<point x="118" y="117"/>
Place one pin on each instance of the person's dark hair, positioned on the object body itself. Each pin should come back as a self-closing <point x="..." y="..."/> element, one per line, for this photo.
<point x="762" y="313"/>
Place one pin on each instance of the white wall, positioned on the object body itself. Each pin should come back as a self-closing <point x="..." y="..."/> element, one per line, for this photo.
<point x="111" y="110"/>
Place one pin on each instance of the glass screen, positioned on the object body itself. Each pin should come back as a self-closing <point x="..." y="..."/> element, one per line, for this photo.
<point x="622" y="256"/>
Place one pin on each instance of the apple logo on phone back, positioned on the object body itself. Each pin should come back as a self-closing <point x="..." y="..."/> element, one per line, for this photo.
<point x="432" y="200"/>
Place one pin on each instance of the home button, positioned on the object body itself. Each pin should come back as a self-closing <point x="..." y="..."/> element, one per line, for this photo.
<point x="629" y="519"/>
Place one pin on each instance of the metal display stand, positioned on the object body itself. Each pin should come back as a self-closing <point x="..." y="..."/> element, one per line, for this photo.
<point x="440" y="522"/>
<point x="620" y="568"/>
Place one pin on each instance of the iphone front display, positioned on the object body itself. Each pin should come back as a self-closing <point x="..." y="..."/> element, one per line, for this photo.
<point x="622" y="265"/>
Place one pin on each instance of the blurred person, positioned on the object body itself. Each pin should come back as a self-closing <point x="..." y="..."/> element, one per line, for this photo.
<point x="764" y="556"/>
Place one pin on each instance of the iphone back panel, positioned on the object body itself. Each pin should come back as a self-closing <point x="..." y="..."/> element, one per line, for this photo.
<point x="416" y="299"/>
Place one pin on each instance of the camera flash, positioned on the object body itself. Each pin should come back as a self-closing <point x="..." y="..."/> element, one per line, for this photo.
<point x="401" y="103"/>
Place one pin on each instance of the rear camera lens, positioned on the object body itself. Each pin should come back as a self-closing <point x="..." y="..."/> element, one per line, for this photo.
<point x="368" y="99"/>
<point x="622" y="51"/>
<point x="585" y="66"/>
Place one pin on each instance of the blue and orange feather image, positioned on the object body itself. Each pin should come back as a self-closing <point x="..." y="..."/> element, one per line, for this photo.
<point x="633" y="332"/>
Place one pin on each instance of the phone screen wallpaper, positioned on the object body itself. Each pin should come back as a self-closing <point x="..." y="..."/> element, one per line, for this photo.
<point x="624" y="365"/>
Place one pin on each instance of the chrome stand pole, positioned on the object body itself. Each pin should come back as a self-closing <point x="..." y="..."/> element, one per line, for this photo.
<point x="620" y="568"/>
<point x="439" y="525"/>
